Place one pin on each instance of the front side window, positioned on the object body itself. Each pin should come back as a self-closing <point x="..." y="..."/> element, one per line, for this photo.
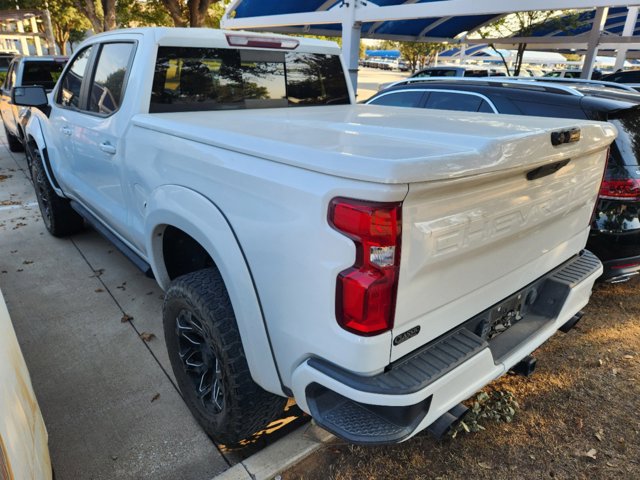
<point x="200" y="79"/>
<point x="42" y="73"/>
<point x="69" y="92"/>
<point x="109" y="78"/>
<point x="400" y="99"/>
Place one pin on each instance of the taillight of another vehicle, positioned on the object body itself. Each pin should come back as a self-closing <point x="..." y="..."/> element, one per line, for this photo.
<point x="620" y="189"/>
<point x="366" y="292"/>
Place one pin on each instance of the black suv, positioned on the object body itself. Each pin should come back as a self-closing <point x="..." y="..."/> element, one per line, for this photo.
<point x="629" y="77"/>
<point x="615" y="231"/>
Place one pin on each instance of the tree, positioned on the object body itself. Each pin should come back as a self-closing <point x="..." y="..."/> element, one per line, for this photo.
<point x="137" y="13"/>
<point x="415" y="53"/>
<point x="523" y="24"/>
<point x="66" y="21"/>
<point x="193" y="13"/>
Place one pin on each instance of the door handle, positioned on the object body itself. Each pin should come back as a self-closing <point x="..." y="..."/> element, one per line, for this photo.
<point x="106" y="147"/>
<point x="66" y="131"/>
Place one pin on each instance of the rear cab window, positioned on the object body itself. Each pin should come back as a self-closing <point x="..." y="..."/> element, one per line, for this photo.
<point x="43" y="73"/>
<point x="201" y="79"/>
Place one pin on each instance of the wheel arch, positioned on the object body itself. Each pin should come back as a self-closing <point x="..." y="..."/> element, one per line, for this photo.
<point x="172" y="209"/>
<point x="34" y="138"/>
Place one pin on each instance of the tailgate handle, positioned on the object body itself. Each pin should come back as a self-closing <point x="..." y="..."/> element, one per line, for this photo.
<point x="545" y="170"/>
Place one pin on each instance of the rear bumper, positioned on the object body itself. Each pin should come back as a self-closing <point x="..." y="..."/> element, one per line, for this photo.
<point x="414" y="391"/>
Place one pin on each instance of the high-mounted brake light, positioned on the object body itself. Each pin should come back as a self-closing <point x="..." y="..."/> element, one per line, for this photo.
<point x="237" y="40"/>
<point x="366" y="292"/>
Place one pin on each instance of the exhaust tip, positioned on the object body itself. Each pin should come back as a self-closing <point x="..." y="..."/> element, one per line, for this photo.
<point x="447" y="422"/>
<point x="573" y="321"/>
<point x="525" y="367"/>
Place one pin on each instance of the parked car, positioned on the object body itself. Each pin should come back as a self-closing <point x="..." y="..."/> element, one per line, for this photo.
<point x="379" y="266"/>
<point x="24" y="451"/>
<point x="627" y="77"/>
<point x="615" y="230"/>
<point x="454" y="71"/>
<point x="573" y="73"/>
<point x="23" y="71"/>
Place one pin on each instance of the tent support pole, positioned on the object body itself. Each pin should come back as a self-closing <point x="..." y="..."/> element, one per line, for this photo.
<point x="629" y="27"/>
<point x="594" y="39"/>
<point x="351" y="43"/>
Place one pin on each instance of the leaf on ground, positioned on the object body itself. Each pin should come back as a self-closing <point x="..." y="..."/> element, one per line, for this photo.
<point x="147" y="337"/>
<point x="125" y="318"/>
<point x="97" y="273"/>
<point x="155" y="397"/>
<point x="591" y="453"/>
<point x="628" y="357"/>
<point x="98" y="290"/>
<point x="27" y="262"/>
<point x="599" y="435"/>
<point x="484" y="465"/>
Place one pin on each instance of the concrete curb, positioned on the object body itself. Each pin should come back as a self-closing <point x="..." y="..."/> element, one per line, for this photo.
<point x="283" y="454"/>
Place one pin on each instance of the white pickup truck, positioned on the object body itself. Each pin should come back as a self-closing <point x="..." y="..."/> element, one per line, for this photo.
<point x="379" y="265"/>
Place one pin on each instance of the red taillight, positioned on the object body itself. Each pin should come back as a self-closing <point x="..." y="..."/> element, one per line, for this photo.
<point x="628" y="188"/>
<point x="366" y="292"/>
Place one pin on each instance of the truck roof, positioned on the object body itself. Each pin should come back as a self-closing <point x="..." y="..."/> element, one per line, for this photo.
<point x="213" y="38"/>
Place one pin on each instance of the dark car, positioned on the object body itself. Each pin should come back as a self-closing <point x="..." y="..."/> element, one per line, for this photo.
<point x="615" y="230"/>
<point x="628" y="77"/>
<point x="25" y="71"/>
<point x="572" y="73"/>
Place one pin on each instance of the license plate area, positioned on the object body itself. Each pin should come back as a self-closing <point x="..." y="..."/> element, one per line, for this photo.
<point x="506" y="314"/>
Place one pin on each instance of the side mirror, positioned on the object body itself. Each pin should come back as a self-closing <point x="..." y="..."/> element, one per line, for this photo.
<point x="29" y="96"/>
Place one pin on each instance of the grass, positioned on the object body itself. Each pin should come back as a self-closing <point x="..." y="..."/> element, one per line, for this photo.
<point x="575" y="418"/>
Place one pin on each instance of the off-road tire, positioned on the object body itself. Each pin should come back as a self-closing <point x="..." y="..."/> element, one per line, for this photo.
<point x="246" y="408"/>
<point x="15" y="145"/>
<point x="58" y="216"/>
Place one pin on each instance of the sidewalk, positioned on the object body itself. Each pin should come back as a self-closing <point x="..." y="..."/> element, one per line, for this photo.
<point x="108" y="398"/>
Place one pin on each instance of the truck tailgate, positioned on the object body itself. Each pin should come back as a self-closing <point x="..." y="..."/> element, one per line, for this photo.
<point x="469" y="242"/>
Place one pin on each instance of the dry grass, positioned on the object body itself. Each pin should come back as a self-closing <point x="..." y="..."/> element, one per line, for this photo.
<point x="585" y="396"/>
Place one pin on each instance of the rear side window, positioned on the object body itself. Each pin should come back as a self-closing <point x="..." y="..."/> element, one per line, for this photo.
<point x="69" y="90"/>
<point x="455" y="101"/>
<point x="45" y="74"/>
<point x="542" y="109"/>
<point x="4" y="62"/>
<point x="439" y="72"/>
<point x="400" y="99"/>
<point x="107" y="87"/>
<point x="199" y="79"/>
<point x="476" y="73"/>
<point x="628" y="141"/>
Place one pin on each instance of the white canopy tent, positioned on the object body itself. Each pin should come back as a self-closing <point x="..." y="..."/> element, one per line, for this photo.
<point x="321" y="17"/>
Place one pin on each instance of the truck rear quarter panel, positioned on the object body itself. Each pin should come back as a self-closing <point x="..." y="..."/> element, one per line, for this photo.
<point x="278" y="217"/>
